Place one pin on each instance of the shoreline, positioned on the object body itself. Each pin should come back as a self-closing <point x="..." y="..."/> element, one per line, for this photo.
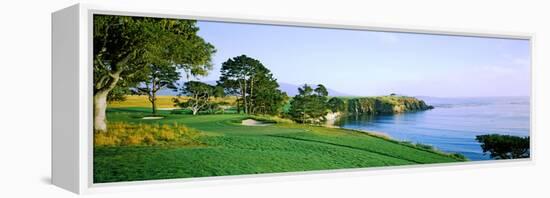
<point x="333" y="116"/>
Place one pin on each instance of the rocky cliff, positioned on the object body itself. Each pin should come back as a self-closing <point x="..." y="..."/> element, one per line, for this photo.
<point x="384" y="104"/>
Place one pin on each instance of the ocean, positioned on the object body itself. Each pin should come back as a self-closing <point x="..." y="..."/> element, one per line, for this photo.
<point x="453" y="124"/>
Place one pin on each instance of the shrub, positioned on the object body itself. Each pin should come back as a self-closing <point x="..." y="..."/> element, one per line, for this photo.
<point x="148" y="139"/>
<point x="166" y="133"/>
<point x="424" y="146"/>
<point x="133" y="139"/>
<point x="105" y="139"/>
<point x="505" y="146"/>
<point x="124" y="134"/>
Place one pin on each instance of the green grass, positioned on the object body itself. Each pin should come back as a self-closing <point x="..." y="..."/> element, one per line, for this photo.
<point x="228" y="148"/>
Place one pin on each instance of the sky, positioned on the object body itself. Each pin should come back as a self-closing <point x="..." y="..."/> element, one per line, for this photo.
<point x="368" y="63"/>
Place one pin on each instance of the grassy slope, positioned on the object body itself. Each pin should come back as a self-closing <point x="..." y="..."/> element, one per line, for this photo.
<point x="234" y="149"/>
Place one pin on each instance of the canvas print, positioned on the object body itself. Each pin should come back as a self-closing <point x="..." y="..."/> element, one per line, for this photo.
<point x="178" y="98"/>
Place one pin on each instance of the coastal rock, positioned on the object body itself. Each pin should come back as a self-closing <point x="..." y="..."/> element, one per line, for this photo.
<point x="385" y="105"/>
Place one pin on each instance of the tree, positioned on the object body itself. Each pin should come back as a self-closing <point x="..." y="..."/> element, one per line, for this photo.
<point x="310" y="105"/>
<point x="336" y="104"/>
<point x="158" y="76"/>
<point x="319" y="104"/>
<point x="219" y="105"/>
<point x="118" y="94"/>
<point x="124" y="46"/>
<point x="236" y="76"/>
<point x="299" y="106"/>
<point x="266" y="97"/>
<point x="199" y="94"/>
<point x="255" y="86"/>
<point x="505" y="146"/>
<point x="231" y="87"/>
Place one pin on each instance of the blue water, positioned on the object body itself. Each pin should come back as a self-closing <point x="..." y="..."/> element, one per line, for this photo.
<point x="453" y="124"/>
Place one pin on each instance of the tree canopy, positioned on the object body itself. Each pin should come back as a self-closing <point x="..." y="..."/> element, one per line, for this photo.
<point x="267" y="97"/>
<point x="199" y="94"/>
<point x="336" y="104"/>
<point x="253" y="83"/>
<point x="125" y="46"/>
<point x="157" y="77"/>
<point x="505" y="146"/>
<point x="310" y="105"/>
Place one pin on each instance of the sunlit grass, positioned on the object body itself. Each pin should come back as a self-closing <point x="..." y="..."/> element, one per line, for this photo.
<point x="126" y="134"/>
<point x="142" y="101"/>
<point x="162" y="101"/>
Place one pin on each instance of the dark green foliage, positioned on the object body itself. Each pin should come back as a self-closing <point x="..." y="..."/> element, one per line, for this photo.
<point x="199" y="94"/>
<point x="310" y="105"/>
<point x="157" y="77"/>
<point x="268" y="99"/>
<point x="118" y="93"/>
<point x="505" y="146"/>
<point x="124" y="46"/>
<point x="337" y="105"/>
<point x="254" y="84"/>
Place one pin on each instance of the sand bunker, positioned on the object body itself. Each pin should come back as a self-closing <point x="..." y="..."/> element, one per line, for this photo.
<point x="251" y="122"/>
<point x="152" y="118"/>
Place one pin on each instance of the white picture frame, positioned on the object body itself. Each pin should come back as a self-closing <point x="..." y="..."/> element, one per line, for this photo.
<point x="72" y="136"/>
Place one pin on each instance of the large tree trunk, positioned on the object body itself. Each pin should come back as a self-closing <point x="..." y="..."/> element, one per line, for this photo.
<point x="100" y="96"/>
<point x="100" y="102"/>
<point x="100" y="105"/>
